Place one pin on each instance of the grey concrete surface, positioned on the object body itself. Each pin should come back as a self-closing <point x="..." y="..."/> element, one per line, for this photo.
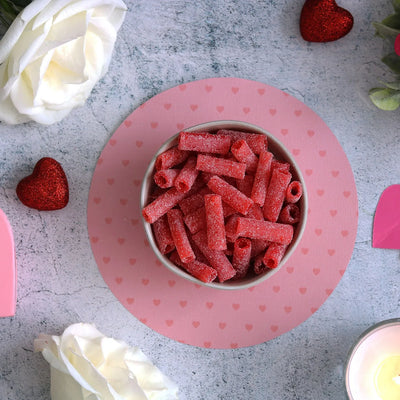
<point x="162" y="44"/>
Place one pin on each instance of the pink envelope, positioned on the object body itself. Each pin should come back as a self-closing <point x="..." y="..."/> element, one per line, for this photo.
<point x="386" y="231"/>
<point x="7" y="269"/>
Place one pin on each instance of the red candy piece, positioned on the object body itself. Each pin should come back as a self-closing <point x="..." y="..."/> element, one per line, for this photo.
<point x="220" y="166"/>
<point x="165" y="178"/>
<point x="215" y="222"/>
<point x="178" y="232"/>
<point x="294" y="192"/>
<point x="256" y="142"/>
<point x="170" y="158"/>
<point x="324" y="21"/>
<point x="243" y="153"/>
<point x="276" y="194"/>
<point x="199" y="270"/>
<point x="216" y="258"/>
<point x="46" y="189"/>
<point x="241" y="257"/>
<point x="204" y="142"/>
<point x="162" y="204"/>
<point x="261" y="178"/>
<point x="290" y="214"/>
<point x="163" y="235"/>
<point x="271" y="231"/>
<point x="230" y="195"/>
<point x="188" y="174"/>
<point x="274" y="254"/>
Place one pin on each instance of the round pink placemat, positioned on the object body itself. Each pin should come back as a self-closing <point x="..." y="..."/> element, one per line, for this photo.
<point x="195" y="314"/>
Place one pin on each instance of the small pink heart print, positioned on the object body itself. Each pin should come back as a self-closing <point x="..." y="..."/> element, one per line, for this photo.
<point x="386" y="230"/>
<point x="7" y="269"/>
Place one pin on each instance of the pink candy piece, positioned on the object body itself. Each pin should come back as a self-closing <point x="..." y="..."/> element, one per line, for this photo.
<point x="8" y="290"/>
<point x="204" y="142"/>
<point x="220" y="166"/>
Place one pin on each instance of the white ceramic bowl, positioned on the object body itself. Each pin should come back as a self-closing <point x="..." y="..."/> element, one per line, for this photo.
<point x="280" y="152"/>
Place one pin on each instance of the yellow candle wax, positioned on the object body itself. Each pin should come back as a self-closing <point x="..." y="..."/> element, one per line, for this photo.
<point x="387" y="378"/>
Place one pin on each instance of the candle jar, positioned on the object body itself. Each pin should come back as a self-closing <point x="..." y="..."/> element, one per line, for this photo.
<point x="373" y="365"/>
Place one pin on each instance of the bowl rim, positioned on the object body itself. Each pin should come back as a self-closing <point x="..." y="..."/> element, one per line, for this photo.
<point x="211" y="126"/>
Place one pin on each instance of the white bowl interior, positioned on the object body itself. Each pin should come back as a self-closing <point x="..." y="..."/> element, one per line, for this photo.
<point x="280" y="152"/>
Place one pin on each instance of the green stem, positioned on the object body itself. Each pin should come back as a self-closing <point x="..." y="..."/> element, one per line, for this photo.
<point x="8" y="11"/>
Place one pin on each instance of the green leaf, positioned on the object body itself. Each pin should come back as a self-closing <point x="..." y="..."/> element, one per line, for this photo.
<point x="392" y="21"/>
<point x="396" y="5"/>
<point x="385" y="31"/>
<point x="9" y="10"/>
<point x="392" y="85"/>
<point x="392" y="60"/>
<point x="21" y="3"/>
<point x="385" y="99"/>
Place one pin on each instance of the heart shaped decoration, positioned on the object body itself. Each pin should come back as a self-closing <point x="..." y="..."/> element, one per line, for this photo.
<point x="397" y="45"/>
<point x="46" y="189"/>
<point x="7" y="269"/>
<point x="324" y="21"/>
<point x="386" y="231"/>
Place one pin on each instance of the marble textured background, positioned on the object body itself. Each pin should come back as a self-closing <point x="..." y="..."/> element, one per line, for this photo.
<point x="160" y="45"/>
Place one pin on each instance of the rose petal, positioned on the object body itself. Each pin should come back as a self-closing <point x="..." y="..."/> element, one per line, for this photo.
<point x="85" y="363"/>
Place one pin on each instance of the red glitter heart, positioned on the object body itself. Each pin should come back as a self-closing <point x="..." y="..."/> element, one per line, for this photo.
<point x="46" y="189"/>
<point x="324" y="21"/>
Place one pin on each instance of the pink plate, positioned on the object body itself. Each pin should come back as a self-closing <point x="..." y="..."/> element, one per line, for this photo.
<point x="194" y="314"/>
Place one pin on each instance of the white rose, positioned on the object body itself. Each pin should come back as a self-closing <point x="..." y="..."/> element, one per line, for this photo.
<point x="87" y="365"/>
<point x="53" y="54"/>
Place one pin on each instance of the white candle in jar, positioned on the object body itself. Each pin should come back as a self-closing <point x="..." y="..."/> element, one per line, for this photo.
<point x="373" y="367"/>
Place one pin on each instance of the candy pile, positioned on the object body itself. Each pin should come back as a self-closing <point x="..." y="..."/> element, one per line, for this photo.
<point x="222" y="206"/>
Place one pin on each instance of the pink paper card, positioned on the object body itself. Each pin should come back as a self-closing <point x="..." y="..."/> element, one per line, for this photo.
<point x="386" y="231"/>
<point x="194" y="314"/>
<point x="7" y="268"/>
